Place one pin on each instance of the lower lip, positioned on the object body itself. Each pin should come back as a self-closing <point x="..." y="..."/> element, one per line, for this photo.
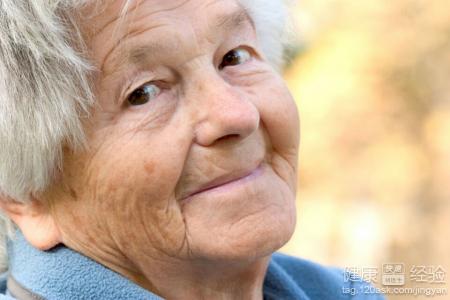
<point x="226" y="187"/>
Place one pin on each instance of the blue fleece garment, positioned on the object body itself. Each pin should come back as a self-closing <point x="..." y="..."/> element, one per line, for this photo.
<point x="62" y="274"/>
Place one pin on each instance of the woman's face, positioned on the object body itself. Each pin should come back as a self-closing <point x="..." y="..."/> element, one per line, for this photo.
<point x="192" y="143"/>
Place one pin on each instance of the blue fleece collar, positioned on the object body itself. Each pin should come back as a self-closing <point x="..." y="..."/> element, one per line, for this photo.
<point x="62" y="273"/>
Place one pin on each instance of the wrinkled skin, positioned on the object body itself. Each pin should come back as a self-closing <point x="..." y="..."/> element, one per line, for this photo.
<point x="122" y="201"/>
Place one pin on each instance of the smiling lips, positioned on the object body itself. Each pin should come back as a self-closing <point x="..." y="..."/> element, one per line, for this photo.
<point x="227" y="179"/>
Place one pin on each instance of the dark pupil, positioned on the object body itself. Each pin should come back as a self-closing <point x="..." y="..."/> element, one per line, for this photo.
<point x="231" y="58"/>
<point x="138" y="97"/>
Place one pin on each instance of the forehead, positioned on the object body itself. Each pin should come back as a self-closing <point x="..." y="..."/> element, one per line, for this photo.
<point x="120" y="21"/>
<point x="102" y="12"/>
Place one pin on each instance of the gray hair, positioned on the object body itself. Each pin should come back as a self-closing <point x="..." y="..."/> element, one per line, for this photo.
<point x="45" y="88"/>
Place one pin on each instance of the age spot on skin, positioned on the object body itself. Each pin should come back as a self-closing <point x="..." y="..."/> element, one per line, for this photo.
<point x="149" y="167"/>
<point x="73" y="194"/>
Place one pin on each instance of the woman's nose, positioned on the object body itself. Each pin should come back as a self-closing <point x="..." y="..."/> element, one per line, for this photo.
<point x="224" y="111"/>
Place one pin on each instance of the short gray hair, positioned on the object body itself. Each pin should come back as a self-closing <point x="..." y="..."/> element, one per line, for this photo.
<point x="45" y="89"/>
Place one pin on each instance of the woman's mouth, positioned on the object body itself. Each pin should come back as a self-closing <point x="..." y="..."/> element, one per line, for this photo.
<point x="227" y="181"/>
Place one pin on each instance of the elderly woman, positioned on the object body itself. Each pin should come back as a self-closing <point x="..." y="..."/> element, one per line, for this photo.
<point x="148" y="151"/>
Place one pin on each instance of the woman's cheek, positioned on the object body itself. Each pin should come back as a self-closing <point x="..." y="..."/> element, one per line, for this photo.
<point x="143" y="170"/>
<point x="135" y="188"/>
<point x="280" y="122"/>
<point x="278" y="112"/>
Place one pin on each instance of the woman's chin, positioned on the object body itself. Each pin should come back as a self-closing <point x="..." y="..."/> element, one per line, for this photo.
<point x="246" y="243"/>
<point x="251" y="220"/>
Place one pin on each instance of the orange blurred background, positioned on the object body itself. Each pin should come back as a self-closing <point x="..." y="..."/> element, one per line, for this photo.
<point x="372" y="83"/>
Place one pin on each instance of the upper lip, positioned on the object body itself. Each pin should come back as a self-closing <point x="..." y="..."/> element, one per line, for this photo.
<point x="222" y="179"/>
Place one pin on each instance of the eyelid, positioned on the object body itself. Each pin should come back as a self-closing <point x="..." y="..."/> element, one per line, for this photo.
<point x="132" y="83"/>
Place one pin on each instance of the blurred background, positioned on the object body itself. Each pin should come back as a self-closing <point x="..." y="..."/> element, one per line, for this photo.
<point x="372" y="82"/>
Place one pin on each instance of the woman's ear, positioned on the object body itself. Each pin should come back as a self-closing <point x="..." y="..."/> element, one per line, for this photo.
<point x="35" y="221"/>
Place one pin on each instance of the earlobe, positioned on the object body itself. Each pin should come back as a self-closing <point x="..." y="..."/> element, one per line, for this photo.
<point x="34" y="221"/>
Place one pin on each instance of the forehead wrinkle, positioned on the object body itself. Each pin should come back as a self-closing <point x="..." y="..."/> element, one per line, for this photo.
<point x="134" y="55"/>
<point x="141" y="53"/>
<point x="129" y="8"/>
<point x="225" y="22"/>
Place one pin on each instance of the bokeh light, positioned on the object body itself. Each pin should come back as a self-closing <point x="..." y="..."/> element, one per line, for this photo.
<point x="372" y="83"/>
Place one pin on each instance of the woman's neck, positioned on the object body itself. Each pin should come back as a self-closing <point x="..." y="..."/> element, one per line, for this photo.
<point x="207" y="280"/>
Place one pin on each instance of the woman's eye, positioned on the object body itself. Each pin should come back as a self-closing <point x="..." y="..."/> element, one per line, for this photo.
<point x="235" y="57"/>
<point x="143" y="94"/>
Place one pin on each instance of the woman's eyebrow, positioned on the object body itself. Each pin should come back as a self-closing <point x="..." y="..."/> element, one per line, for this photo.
<point x="224" y="22"/>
